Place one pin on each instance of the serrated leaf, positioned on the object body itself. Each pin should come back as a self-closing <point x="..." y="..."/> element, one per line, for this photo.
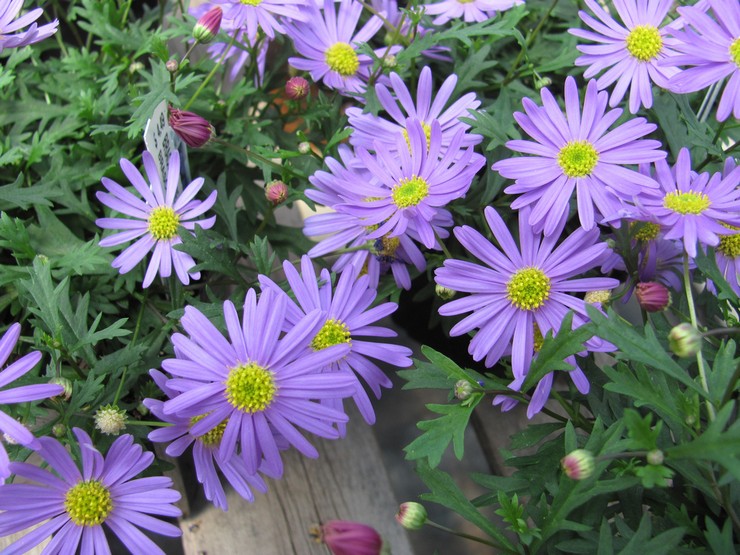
<point x="15" y="195"/>
<point x="533" y="434"/>
<point x="438" y="433"/>
<point x="260" y="255"/>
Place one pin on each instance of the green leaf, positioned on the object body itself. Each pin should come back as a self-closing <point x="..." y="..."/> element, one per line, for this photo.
<point x="640" y="430"/>
<point x="157" y="90"/>
<point x="260" y="255"/>
<point x="642" y="541"/>
<point x="211" y="251"/>
<point x="707" y="263"/>
<point x="720" y="542"/>
<point x="438" y="433"/>
<point x="15" y="195"/>
<point x="533" y="434"/>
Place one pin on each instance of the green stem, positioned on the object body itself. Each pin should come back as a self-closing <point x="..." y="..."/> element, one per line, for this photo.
<point x="510" y="75"/>
<point x="125" y="13"/>
<point x="442" y="245"/>
<point x="462" y="534"/>
<point x="694" y="322"/>
<point x="120" y="386"/>
<point x="151" y="423"/>
<point x="212" y="73"/>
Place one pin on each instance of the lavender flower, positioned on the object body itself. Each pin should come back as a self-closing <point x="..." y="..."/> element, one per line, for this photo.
<point x="426" y="109"/>
<point x="522" y="291"/>
<point x="8" y="425"/>
<point x="156" y="219"/>
<point x="575" y="151"/>
<point x="253" y="15"/>
<point x="712" y="46"/>
<point x="259" y="383"/>
<point x="348" y="318"/>
<point x="75" y="504"/>
<point x="693" y="207"/>
<point x="632" y="51"/>
<point x="469" y="10"/>
<point x="9" y="35"/>
<point x="328" y="43"/>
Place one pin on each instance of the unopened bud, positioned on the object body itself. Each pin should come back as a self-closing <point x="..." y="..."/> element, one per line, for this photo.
<point x="653" y="296"/>
<point x="59" y="430"/>
<point x="296" y="88"/>
<point x="276" y="192"/>
<point x="601" y="296"/>
<point x="578" y="464"/>
<point x="191" y="128"/>
<point x="172" y="66"/>
<point x="66" y="387"/>
<point x="142" y="409"/>
<point x="655" y="457"/>
<point x="463" y="389"/>
<point x="444" y="293"/>
<point x="208" y="25"/>
<point x="541" y="82"/>
<point x="110" y="420"/>
<point x="304" y="147"/>
<point x="343" y="537"/>
<point x="411" y="516"/>
<point x="684" y="340"/>
<point x="390" y="62"/>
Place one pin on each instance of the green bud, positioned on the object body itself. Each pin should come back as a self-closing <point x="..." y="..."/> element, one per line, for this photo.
<point x="578" y="464"/>
<point x="444" y="293"/>
<point x="411" y="515"/>
<point x="655" y="457"/>
<point x="684" y="340"/>
<point x="463" y="389"/>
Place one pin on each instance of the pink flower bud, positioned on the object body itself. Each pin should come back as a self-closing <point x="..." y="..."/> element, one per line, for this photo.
<point x="653" y="296"/>
<point x="344" y="537"/>
<point x="276" y="192"/>
<point x="411" y="515"/>
<point x="207" y="27"/>
<point x="296" y="88"/>
<point x="190" y="127"/>
<point x="578" y="464"/>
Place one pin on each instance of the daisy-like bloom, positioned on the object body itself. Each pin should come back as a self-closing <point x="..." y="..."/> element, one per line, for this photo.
<point x="523" y="290"/>
<point x="9" y="25"/>
<point x="414" y="182"/>
<point x="348" y="321"/>
<point x="156" y="219"/>
<point x="727" y="252"/>
<point x="253" y="15"/>
<point x="426" y="109"/>
<point x="258" y="383"/>
<point x="328" y="43"/>
<point x="469" y="10"/>
<point x="8" y="425"/>
<point x="205" y="451"/>
<point x="631" y="50"/>
<point x="575" y="151"/>
<point x="76" y="503"/>
<point x="711" y="45"/>
<point x="693" y="207"/>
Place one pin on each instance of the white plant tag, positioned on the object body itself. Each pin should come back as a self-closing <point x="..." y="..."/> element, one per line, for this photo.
<point x="160" y="140"/>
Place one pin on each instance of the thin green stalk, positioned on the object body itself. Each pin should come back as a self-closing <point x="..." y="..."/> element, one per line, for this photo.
<point x="120" y="386"/>
<point x="212" y="73"/>
<point x="125" y="13"/>
<point x="510" y="75"/>
<point x="442" y="245"/>
<point x="151" y="423"/>
<point x="462" y="534"/>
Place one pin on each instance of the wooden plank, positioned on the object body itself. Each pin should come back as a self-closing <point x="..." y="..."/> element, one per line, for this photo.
<point x="347" y="482"/>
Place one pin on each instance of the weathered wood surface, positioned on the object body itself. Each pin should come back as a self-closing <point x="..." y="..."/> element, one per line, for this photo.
<point x="347" y="481"/>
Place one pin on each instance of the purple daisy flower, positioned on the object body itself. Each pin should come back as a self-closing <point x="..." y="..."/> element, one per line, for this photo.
<point x="156" y="219"/>
<point x="253" y="15"/>
<point x="693" y="207"/>
<point x="727" y="252"/>
<point x="519" y="288"/>
<point x="8" y="425"/>
<point x="632" y="50"/>
<point x="205" y="451"/>
<point x="413" y="183"/>
<point x="712" y="46"/>
<point x="258" y="382"/>
<point x="77" y="503"/>
<point x="469" y="10"/>
<point x="328" y="43"/>
<point x="426" y="109"/>
<point x="348" y="321"/>
<point x="9" y="35"/>
<point x="575" y="151"/>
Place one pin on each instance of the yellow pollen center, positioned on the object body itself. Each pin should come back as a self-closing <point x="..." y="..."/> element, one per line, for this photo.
<point x="528" y="288"/>
<point x="578" y="158"/>
<point x="465" y="1"/>
<point x="644" y="42"/>
<point x="333" y="332"/>
<point x="427" y="133"/>
<point x="250" y="387"/>
<point x="729" y="245"/>
<point x="342" y="58"/>
<point x="163" y="222"/>
<point x="251" y="2"/>
<point x="88" y="503"/>
<point x="538" y="339"/>
<point x="410" y="192"/>
<point x="735" y="51"/>
<point x="648" y="231"/>
<point x="686" y="203"/>
<point x="213" y="437"/>
<point x="386" y="247"/>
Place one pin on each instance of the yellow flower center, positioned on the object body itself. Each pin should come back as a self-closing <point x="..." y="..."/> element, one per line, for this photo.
<point x="163" y="222"/>
<point x="465" y="1"/>
<point x="385" y="248"/>
<point x="644" y="42"/>
<point x="735" y="51"/>
<point x="686" y="203"/>
<point x="538" y="339"/>
<point x="333" y="332"/>
<point x="342" y="58"/>
<point x="251" y="2"/>
<point x="427" y="133"/>
<point x="578" y="158"/>
<point x="528" y="288"/>
<point x="601" y="296"/>
<point x="729" y="245"/>
<point x="647" y="231"/>
<point x="88" y="503"/>
<point x="212" y="437"/>
<point x="410" y="192"/>
<point x="250" y="387"/>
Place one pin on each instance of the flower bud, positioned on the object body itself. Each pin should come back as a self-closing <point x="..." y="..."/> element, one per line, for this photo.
<point x="172" y="66"/>
<point x="601" y="296"/>
<point x="304" y="147"/>
<point x="191" y="128"/>
<point x="344" y="537"/>
<point x="142" y="409"/>
<point x="541" y="82"/>
<point x="66" y="385"/>
<point x="59" y="430"/>
<point x="390" y="62"/>
<point x="655" y="457"/>
<point x="463" y="389"/>
<point x="110" y="420"/>
<point x="207" y="26"/>
<point x="296" y="88"/>
<point x="276" y="192"/>
<point x="578" y="464"/>
<point x="411" y="516"/>
<point x="653" y="296"/>
<point x="444" y="293"/>
<point x="684" y="340"/>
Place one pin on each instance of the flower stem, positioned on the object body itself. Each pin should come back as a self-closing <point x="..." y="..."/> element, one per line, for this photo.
<point x="511" y="74"/>
<point x="151" y="423"/>
<point x="442" y="245"/>
<point x="461" y="534"/>
<point x="212" y="73"/>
